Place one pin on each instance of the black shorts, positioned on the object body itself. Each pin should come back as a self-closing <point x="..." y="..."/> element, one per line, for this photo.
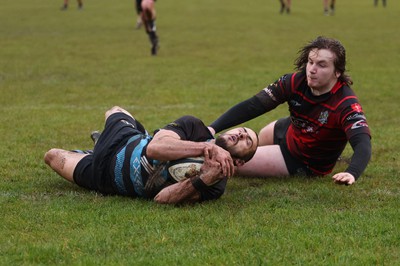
<point x="94" y="172"/>
<point x="294" y="166"/>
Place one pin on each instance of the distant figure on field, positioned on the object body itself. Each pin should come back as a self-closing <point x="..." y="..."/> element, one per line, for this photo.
<point x="65" y="6"/>
<point x="285" y="6"/>
<point x="329" y="8"/>
<point x="383" y="2"/>
<point x="148" y="16"/>
<point x="139" y="22"/>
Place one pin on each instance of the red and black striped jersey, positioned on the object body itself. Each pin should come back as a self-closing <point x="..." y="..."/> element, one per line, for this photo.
<point x="321" y="125"/>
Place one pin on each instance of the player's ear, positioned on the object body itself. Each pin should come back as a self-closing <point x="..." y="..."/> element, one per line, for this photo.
<point x="238" y="162"/>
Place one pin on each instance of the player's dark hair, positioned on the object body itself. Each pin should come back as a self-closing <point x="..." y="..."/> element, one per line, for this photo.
<point x="247" y="157"/>
<point x="329" y="44"/>
<point x="250" y="155"/>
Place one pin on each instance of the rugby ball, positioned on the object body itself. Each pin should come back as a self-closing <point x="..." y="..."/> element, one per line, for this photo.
<point x="185" y="168"/>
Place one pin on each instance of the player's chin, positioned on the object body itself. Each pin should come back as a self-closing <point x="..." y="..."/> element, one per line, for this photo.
<point x="312" y="84"/>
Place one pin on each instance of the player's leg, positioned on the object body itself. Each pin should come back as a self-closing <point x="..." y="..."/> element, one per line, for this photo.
<point x="139" y="14"/>
<point x="268" y="161"/>
<point x="63" y="162"/>
<point x="332" y="7"/>
<point x="80" y="4"/>
<point x="65" y="5"/>
<point x="95" y="135"/>
<point x="148" y="18"/>
<point x="148" y="6"/>
<point x="266" y="135"/>
<point x="282" y="6"/>
<point x="288" y="6"/>
<point x="116" y="109"/>
<point x="326" y="7"/>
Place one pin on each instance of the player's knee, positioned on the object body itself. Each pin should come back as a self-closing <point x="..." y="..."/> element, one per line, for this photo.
<point x="266" y="135"/>
<point x="50" y="156"/>
<point x="114" y="109"/>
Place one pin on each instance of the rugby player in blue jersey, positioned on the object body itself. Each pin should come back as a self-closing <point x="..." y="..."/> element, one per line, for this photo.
<point x="127" y="161"/>
<point x="325" y="114"/>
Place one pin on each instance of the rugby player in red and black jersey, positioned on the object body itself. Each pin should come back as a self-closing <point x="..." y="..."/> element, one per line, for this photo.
<point x="325" y="114"/>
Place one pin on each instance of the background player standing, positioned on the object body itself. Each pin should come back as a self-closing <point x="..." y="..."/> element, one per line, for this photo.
<point x="65" y="5"/>
<point x="329" y="8"/>
<point x="147" y="13"/>
<point x="285" y="6"/>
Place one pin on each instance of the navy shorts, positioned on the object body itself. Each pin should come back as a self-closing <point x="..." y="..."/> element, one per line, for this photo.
<point x="294" y="166"/>
<point x="94" y="172"/>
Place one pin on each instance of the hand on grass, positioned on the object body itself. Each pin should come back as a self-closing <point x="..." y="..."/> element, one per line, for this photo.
<point x="344" y="178"/>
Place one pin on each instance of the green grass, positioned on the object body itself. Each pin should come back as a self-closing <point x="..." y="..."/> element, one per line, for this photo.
<point x="60" y="71"/>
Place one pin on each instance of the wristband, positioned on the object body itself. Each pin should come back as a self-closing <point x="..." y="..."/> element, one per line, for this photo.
<point x="198" y="184"/>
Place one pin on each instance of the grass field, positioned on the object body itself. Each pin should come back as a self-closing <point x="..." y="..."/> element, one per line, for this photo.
<point x="60" y="71"/>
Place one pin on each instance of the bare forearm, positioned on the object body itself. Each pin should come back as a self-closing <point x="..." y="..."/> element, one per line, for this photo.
<point x="178" y="193"/>
<point x="173" y="149"/>
<point x="167" y="146"/>
<point x="195" y="188"/>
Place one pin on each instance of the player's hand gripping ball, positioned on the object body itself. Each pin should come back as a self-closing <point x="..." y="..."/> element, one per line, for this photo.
<point x="185" y="168"/>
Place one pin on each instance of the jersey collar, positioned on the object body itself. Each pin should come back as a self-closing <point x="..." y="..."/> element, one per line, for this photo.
<point x="337" y="86"/>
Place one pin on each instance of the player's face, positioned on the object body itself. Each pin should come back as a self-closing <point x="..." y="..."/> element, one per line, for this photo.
<point x="321" y="74"/>
<point x="238" y="141"/>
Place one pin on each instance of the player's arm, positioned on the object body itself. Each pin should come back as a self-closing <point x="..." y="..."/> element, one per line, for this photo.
<point x="264" y="101"/>
<point x="361" y="144"/>
<point x="167" y="145"/>
<point x="240" y="113"/>
<point x="181" y="192"/>
<point x="198" y="188"/>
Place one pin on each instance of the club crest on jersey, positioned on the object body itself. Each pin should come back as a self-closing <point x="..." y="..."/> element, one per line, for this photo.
<point x="323" y="117"/>
<point x="356" y="107"/>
